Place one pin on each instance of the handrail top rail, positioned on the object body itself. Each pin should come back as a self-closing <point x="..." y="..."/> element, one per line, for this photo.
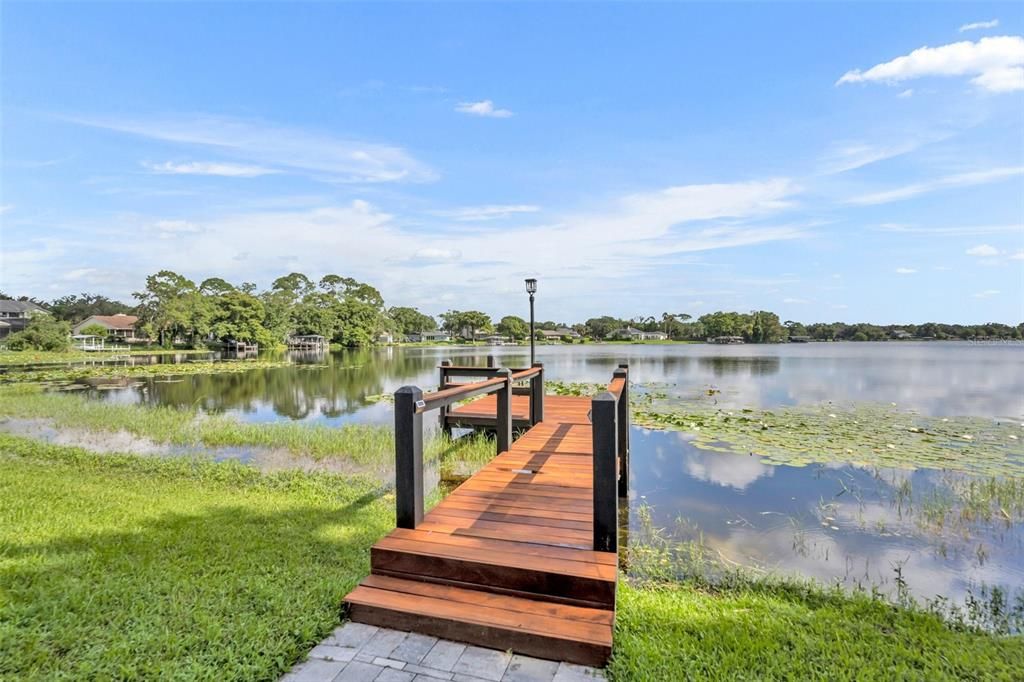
<point x="445" y="397"/>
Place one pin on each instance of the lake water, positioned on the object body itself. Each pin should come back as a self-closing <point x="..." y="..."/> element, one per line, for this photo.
<point x="837" y="523"/>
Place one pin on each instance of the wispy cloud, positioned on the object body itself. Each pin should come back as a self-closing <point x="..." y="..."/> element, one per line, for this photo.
<point x="617" y="239"/>
<point x="229" y="170"/>
<point x="906" y="271"/>
<point x="1017" y="256"/>
<point x="319" y="155"/>
<point x="482" y="108"/>
<point x="949" y="181"/>
<point x="988" y="293"/>
<point x="486" y="212"/>
<point x="951" y="231"/>
<point x="983" y="250"/>
<point x="6" y="208"/>
<point x="847" y="156"/>
<point x="978" y="25"/>
<point x="996" y="64"/>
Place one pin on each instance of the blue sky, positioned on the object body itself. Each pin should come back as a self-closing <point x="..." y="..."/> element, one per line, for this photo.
<point x="825" y="161"/>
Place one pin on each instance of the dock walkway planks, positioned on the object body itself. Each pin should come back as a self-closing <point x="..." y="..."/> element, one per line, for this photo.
<point x="506" y="560"/>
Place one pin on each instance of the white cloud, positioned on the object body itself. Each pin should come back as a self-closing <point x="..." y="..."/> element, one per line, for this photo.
<point x="436" y="255"/>
<point x="795" y="301"/>
<point x="230" y="170"/>
<point x="954" y="231"/>
<point x="5" y="208"/>
<point x="909" y="92"/>
<point x="487" y="212"/>
<point x="987" y="293"/>
<point x="905" y="271"/>
<point x="847" y="156"/>
<point x="1017" y="256"/>
<point x="983" y="250"/>
<point x="320" y="155"/>
<point x="615" y="243"/>
<point x="169" y="229"/>
<point x="979" y="25"/>
<point x="995" y="63"/>
<point x="958" y="180"/>
<point x="78" y="273"/>
<point x="482" y="108"/>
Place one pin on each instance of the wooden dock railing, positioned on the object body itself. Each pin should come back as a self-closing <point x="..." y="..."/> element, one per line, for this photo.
<point x="609" y="417"/>
<point x="523" y="555"/>
<point x="411" y="403"/>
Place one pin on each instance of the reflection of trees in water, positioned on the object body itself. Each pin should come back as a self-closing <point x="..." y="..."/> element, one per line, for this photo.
<point x="753" y="366"/>
<point x="296" y="391"/>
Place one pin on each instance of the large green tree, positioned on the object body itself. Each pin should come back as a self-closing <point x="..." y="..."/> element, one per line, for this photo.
<point x="514" y="327"/>
<point x="75" y="308"/>
<point x="410" y="320"/>
<point x="43" y="332"/>
<point x="172" y="305"/>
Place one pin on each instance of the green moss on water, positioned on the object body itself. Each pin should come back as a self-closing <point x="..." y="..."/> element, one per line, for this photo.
<point x="865" y="434"/>
<point x="73" y="373"/>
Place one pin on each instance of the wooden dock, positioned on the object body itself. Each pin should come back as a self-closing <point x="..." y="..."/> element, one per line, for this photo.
<point x="521" y="556"/>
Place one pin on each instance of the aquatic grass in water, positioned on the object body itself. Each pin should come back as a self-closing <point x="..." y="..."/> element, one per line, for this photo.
<point x="864" y="434"/>
<point x="77" y="373"/>
<point x="360" y="443"/>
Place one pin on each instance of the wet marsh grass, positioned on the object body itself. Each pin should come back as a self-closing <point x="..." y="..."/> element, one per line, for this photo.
<point x="365" y="444"/>
<point x="686" y="612"/>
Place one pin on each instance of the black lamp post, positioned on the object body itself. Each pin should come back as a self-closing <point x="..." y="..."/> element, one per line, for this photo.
<point x="531" y="288"/>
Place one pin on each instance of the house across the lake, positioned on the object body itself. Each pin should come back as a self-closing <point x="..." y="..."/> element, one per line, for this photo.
<point x="726" y="339"/>
<point x="433" y="335"/>
<point x="120" y="327"/>
<point x="14" y="315"/>
<point x="557" y="334"/>
<point x="634" y="334"/>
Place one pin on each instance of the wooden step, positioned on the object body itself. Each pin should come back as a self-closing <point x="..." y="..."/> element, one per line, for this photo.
<point x="551" y="571"/>
<point x="527" y="626"/>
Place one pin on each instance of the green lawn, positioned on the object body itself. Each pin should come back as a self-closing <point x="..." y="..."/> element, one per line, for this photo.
<point x="119" y="567"/>
<point x="775" y="631"/>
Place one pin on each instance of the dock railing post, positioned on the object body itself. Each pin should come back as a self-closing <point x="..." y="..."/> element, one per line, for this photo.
<point x="503" y="418"/>
<point x="537" y="395"/>
<point x="408" y="457"/>
<point x="606" y="498"/>
<point x="623" y="423"/>
<point x="442" y="412"/>
<point x="490" y="361"/>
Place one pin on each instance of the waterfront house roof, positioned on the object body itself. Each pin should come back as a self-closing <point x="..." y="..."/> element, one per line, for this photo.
<point x="8" y="305"/>
<point x="118" y="321"/>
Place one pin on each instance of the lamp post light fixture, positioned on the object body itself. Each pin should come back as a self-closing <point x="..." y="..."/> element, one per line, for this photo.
<point x="531" y="288"/>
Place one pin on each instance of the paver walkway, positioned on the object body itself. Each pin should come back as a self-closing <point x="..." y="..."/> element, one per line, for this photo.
<point x="356" y="652"/>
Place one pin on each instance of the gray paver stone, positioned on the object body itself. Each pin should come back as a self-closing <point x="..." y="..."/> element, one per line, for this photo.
<point x="350" y="634"/>
<point x="570" y="672"/>
<point x="384" y="642"/>
<point x="314" y="670"/>
<point x="528" y="669"/>
<point x="329" y="652"/>
<point x="392" y="675"/>
<point x="443" y="656"/>
<point x="357" y="671"/>
<point x="414" y="648"/>
<point x="486" y="664"/>
<point x="428" y="672"/>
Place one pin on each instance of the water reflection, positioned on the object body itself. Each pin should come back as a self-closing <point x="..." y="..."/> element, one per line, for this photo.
<point x="834" y="523"/>
<point x="935" y="378"/>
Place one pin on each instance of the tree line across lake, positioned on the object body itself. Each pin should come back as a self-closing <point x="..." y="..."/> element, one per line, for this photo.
<point x="173" y="309"/>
